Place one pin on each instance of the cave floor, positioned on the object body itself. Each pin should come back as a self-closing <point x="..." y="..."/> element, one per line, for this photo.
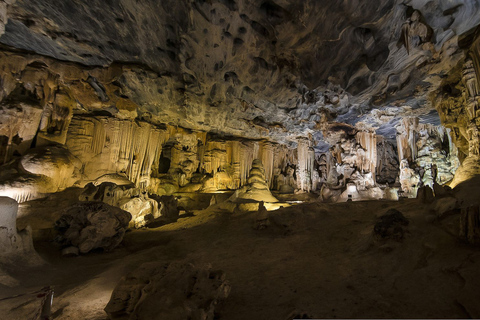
<point x="324" y="264"/>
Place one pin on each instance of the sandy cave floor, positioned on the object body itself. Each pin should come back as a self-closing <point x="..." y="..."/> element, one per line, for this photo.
<point x="325" y="264"/>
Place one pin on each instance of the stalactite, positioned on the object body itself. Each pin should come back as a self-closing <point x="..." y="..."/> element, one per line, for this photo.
<point x="99" y="138"/>
<point x="236" y="163"/>
<point x="215" y="156"/>
<point x="305" y="165"/>
<point x="107" y="145"/>
<point x="368" y="141"/>
<point x="247" y="149"/>
<point x="267" y="158"/>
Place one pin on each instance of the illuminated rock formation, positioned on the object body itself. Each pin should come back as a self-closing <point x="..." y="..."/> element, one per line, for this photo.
<point x="256" y="188"/>
<point x="459" y="114"/>
<point x="139" y="205"/>
<point x="185" y="121"/>
<point x="424" y="146"/>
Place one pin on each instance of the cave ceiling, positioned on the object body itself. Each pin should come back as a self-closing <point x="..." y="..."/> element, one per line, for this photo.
<point x="256" y="69"/>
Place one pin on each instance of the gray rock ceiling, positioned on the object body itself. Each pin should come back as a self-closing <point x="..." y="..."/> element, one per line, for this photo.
<point x="259" y="69"/>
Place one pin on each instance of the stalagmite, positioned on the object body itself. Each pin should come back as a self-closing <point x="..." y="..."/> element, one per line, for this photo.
<point x="15" y="247"/>
<point x="21" y="121"/>
<point x="248" y="197"/>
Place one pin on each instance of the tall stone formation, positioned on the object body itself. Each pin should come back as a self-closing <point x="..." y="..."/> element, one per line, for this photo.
<point x="16" y="248"/>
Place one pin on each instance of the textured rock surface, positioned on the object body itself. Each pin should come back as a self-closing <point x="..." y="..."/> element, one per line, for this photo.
<point x="92" y="225"/>
<point x="348" y="100"/>
<point x="126" y="197"/>
<point x="55" y="163"/>
<point x="172" y="291"/>
<point x="242" y="67"/>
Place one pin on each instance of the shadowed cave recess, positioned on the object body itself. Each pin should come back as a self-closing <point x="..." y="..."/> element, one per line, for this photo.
<point x="239" y="159"/>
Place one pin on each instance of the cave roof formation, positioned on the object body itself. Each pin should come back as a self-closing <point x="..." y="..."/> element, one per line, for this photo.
<point x="255" y="69"/>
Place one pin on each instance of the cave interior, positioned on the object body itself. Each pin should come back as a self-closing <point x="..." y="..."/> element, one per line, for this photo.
<point x="239" y="159"/>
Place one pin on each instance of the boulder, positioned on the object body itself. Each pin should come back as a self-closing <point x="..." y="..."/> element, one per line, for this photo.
<point x="174" y="291"/>
<point x="261" y="218"/>
<point x="470" y="225"/>
<point x="169" y="208"/>
<point x="391" y="225"/>
<point x="142" y="209"/>
<point x="92" y="225"/>
<point x="444" y="205"/>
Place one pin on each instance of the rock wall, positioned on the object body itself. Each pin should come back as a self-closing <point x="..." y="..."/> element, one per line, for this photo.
<point x="458" y="103"/>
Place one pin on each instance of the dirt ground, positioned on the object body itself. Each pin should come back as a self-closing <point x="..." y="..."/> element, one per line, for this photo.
<point x="316" y="259"/>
